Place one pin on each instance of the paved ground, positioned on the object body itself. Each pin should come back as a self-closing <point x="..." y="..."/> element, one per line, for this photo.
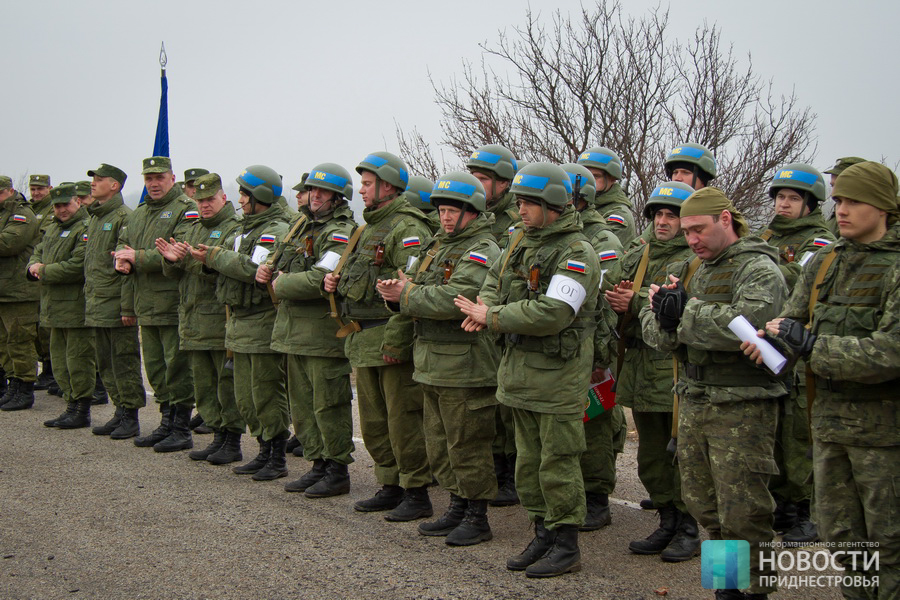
<point x="83" y="516"/>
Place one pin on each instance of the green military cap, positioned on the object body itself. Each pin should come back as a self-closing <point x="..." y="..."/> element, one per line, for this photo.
<point x="207" y="186"/>
<point x="712" y="201"/>
<point x="868" y="182"/>
<point x="157" y="164"/>
<point x="842" y="163"/>
<point x="82" y="188"/>
<point x="105" y="170"/>
<point x="63" y="193"/>
<point x="39" y="180"/>
<point x="301" y="187"/>
<point x="5" y="182"/>
<point x="192" y="174"/>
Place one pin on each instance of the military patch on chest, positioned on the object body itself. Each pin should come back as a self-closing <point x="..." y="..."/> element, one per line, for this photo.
<point x="617" y="219"/>
<point x="107" y="227"/>
<point x="340" y="237"/>
<point x="191" y="214"/>
<point x="20" y="218"/>
<point x="481" y="259"/>
<point x="411" y="241"/>
<point x="215" y="234"/>
<point x="64" y="233"/>
<point x="166" y="215"/>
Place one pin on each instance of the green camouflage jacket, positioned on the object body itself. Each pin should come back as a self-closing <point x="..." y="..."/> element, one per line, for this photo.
<point x="797" y="241"/>
<point x="506" y="217"/>
<point x="43" y="210"/>
<point x="18" y="236"/>
<point x="102" y="283"/>
<point x="616" y="208"/>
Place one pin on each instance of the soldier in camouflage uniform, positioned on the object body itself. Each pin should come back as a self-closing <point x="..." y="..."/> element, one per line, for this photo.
<point x="645" y="377"/>
<point x="18" y="298"/>
<point x="190" y="176"/>
<point x="259" y="376"/>
<point x="318" y="372"/>
<point x="542" y="294"/>
<point x="418" y="194"/>
<point x="58" y="262"/>
<point x="39" y="187"/>
<point x="691" y="164"/>
<point x="839" y="167"/>
<point x="611" y="201"/>
<point x="728" y="406"/>
<point x="379" y="345"/>
<point x="201" y="318"/>
<point x="83" y="193"/>
<point x="153" y="298"/>
<point x="457" y="369"/>
<point x="849" y="297"/>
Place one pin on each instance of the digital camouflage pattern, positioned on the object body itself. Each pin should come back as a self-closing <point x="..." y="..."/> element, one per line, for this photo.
<point x="506" y="217"/>
<point x="797" y="241"/>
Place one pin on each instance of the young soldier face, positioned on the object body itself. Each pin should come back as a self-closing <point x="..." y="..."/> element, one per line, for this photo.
<point x="103" y="188"/>
<point x="666" y="224"/>
<point x="859" y="221"/>
<point x="686" y="176"/>
<point x="790" y="203"/>
<point x="367" y="189"/>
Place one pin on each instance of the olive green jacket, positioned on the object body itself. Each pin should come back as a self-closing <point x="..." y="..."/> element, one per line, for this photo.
<point x="616" y="208"/>
<point x="18" y="236"/>
<point x="506" y="217"/>
<point x="797" y="241"/>
<point x="43" y="210"/>
<point x="102" y="283"/>
<point x="61" y="251"/>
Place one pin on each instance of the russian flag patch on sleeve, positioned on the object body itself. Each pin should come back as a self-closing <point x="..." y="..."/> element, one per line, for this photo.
<point x="511" y="229"/>
<point x="821" y="242"/>
<point x="616" y="219"/>
<point x="411" y="241"/>
<point x="266" y="239"/>
<point x="20" y="218"/>
<point x="607" y="255"/>
<point x="481" y="259"/>
<point x="340" y="237"/>
<point x="574" y="265"/>
<point x="191" y="214"/>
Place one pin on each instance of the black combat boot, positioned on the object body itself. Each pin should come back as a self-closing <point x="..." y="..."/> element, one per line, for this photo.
<point x="199" y="426"/>
<point x="161" y="432"/>
<point x="100" y="395"/>
<point x="505" y="469"/>
<point x="598" y="514"/>
<point x="686" y="543"/>
<point x="265" y="449"/>
<point x="730" y="595"/>
<point x="276" y="466"/>
<point x="335" y="483"/>
<point x="537" y="548"/>
<point x="71" y="409"/>
<point x="298" y="450"/>
<point x="657" y="541"/>
<point x="23" y="399"/>
<point x="11" y="389"/>
<point x="45" y="380"/>
<point x="647" y="504"/>
<point x="291" y="444"/>
<point x="80" y="418"/>
<point x="110" y="426"/>
<point x="804" y="531"/>
<point x="785" y="515"/>
<point x="447" y="522"/>
<point x="229" y="452"/>
<point x="128" y="426"/>
<point x="474" y="528"/>
<point x="415" y="505"/>
<point x="313" y="476"/>
<point x="387" y="498"/>
<point x="218" y="442"/>
<point x="179" y="437"/>
<point x="3" y="382"/>
<point x="563" y="557"/>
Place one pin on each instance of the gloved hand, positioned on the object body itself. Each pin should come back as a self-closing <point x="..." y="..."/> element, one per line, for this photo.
<point x="669" y="306"/>
<point x="796" y="337"/>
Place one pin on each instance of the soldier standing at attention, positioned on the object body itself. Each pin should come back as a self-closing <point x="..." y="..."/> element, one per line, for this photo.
<point x="848" y="298"/>
<point x="542" y="295"/>
<point x="418" y="194"/>
<point x="839" y="167"/>
<point x="611" y="201"/>
<point x="39" y="187"/>
<point x="83" y="193"/>
<point x="728" y="406"/>
<point x="379" y="346"/>
<point x="691" y="164"/>
<point x="190" y="176"/>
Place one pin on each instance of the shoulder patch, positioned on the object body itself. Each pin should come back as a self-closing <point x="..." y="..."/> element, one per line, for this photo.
<point x="617" y="219"/>
<point x="820" y="242"/>
<point x="340" y="237"/>
<point x="577" y="266"/>
<point x="83" y="237"/>
<point x="191" y="214"/>
<point x="481" y="259"/>
<point x="511" y="229"/>
<point x="411" y="241"/>
<point x="266" y="239"/>
<point x="607" y="255"/>
<point x="20" y="218"/>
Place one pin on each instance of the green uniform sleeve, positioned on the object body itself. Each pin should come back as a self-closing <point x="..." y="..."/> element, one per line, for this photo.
<point x="307" y="285"/>
<point x="16" y="236"/>
<point x="70" y="270"/>
<point x="402" y="244"/>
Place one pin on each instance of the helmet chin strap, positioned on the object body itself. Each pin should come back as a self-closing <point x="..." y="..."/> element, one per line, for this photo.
<point x="378" y="202"/>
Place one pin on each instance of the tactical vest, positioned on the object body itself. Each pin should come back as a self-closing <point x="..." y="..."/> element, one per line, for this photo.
<point x="299" y="253"/>
<point x="240" y="295"/>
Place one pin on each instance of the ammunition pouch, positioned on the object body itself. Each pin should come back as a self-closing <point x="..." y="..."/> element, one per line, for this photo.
<point x="443" y="332"/>
<point x="565" y="345"/>
<point x="726" y="374"/>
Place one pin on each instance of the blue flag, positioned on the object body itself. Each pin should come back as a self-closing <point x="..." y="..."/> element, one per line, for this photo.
<point x="161" y="143"/>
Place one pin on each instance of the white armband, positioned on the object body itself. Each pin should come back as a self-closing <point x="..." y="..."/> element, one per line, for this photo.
<point x="568" y="290"/>
<point x="259" y="255"/>
<point x="329" y="261"/>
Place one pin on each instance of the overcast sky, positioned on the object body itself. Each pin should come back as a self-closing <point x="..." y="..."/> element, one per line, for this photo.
<point x="291" y="84"/>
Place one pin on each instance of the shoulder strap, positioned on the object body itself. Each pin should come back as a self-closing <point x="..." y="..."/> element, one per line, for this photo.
<point x="817" y="282"/>
<point x="692" y="268"/>
<point x="429" y="256"/>
<point x="351" y="245"/>
<point x="512" y="246"/>
<point x="626" y="318"/>
<point x="767" y="235"/>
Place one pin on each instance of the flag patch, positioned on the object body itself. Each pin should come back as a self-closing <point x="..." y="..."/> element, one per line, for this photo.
<point x="607" y="255"/>
<point x="411" y="241"/>
<point x="479" y="258"/>
<point x="20" y="218"/>
<point x="192" y="214"/>
<point x="574" y="265"/>
<point x="512" y="228"/>
<point x="83" y="237"/>
<point x="821" y="242"/>
<point x="616" y="219"/>
<point x="267" y="239"/>
<point x="340" y="237"/>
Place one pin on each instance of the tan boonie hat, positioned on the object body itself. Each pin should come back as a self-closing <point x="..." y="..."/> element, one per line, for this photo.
<point x="868" y="182"/>
<point x="5" y="182"/>
<point x="192" y="174"/>
<point x="105" y="170"/>
<point x="39" y="180"/>
<point x="842" y="163"/>
<point x="63" y="193"/>
<point x="712" y="201"/>
<point x="157" y="164"/>
<point x="207" y="186"/>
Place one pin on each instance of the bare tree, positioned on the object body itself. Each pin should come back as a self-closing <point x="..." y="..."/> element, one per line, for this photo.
<point x="552" y="88"/>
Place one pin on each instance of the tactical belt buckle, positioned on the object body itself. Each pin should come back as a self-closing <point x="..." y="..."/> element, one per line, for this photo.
<point x="693" y="371"/>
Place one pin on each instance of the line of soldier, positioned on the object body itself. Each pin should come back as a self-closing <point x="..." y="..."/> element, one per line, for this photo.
<point x="469" y="309"/>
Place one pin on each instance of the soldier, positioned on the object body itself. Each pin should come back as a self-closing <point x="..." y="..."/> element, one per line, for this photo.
<point x="691" y="164"/>
<point x="39" y="187"/>
<point x="58" y="262"/>
<point x="848" y="297"/>
<point x="258" y="371"/>
<point x="418" y="194"/>
<point x="644" y="380"/>
<point x="152" y="298"/>
<point x="798" y="231"/>
<point x="457" y="369"/>
<point x="318" y="372"/>
<point x="379" y="346"/>
<point x="611" y="201"/>
<point x="302" y="193"/>
<point x="839" y="167"/>
<point x="189" y="177"/>
<point x="18" y="298"/>
<point x="115" y="333"/>
<point x="542" y="294"/>
<point x="201" y="318"/>
<point x="83" y="193"/>
<point x="728" y="408"/>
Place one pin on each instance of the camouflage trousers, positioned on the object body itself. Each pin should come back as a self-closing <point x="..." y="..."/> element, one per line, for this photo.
<point x="505" y="432"/>
<point x="390" y="417"/>
<point x="725" y="452"/>
<point x="119" y="363"/>
<point x="598" y="462"/>
<point x="260" y="393"/>
<point x="321" y="401"/>
<point x="18" y="331"/>
<point x="214" y="390"/>
<point x="792" y="445"/>
<point x="459" y="430"/>
<point x="548" y="467"/>
<point x="74" y="362"/>
<point x="657" y="467"/>
<point x="167" y="366"/>
<point x="858" y="503"/>
<point x="42" y="344"/>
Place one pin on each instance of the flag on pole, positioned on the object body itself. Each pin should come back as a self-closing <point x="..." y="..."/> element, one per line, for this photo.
<point x="161" y="143"/>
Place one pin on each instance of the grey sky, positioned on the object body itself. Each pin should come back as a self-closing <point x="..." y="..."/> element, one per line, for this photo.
<point x="293" y="84"/>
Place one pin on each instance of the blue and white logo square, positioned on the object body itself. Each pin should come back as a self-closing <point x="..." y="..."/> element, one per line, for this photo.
<point x="725" y="564"/>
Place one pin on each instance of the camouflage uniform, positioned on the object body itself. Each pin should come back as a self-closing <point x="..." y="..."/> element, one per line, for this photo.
<point x="616" y="208"/>
<point x="43" y="211"/>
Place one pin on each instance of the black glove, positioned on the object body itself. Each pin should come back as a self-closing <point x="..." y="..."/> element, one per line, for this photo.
<point x="796" y="337"/>
<point x="669" y="306"/>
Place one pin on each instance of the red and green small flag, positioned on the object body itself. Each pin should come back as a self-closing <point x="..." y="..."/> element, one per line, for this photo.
<point x="600" y="397"/>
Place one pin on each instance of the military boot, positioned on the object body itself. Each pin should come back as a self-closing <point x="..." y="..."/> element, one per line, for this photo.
<point x="80" y="418"/>
<point x="71" y="409"/>
<point x="686" y="543"/>
<point x="474" y="528"/>
<point x="218" y="442"/>
<point x="161" y="432"/>
<point x="730" y="595"/>
<point x="415" y="505"/>
<point x="335" y="483"/>
<point x="536" y="548"/>
<point x="23" y="399"/>
<point x="505" y="469"/>
<point x="657" y="541"/>
<point x="804" y="531"/>
<point x="179" y="437"/>
<point x="265" y="449"/>
<point x="110" y="426"/>
<point x="3" y="383"/>
<point x="598" y="514"/>
<point x="10" y="392"/>
<point x="563" y="557"/>
<point x="387" y="498"/>
<point x="45" y="380"/>
<point x="291" y="444"/>
<point x="199" y="426"/>
<point x="447" y="522"/>
<point x="313" y="476"/>
<point x="128" y="426"/>
<point x="785" y="515"/>
<point x="647" y="504"/>
<point x="100" y="395"/>
<point x="229" y="452"/>
<point x="276" y="466"/>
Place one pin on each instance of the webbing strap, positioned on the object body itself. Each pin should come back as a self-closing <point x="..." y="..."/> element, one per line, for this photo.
<point x="626" y="318"/>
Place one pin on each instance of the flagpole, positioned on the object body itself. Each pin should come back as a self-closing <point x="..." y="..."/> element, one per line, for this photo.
<point x="161" y="142"/>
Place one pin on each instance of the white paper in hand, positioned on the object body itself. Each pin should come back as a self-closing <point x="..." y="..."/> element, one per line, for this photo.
<point x="746" y="332"/>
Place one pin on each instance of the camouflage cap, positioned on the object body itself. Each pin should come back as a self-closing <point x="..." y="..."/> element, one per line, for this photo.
<point x="157" y="164"/>
<point x="207" y="186"/>
<point x="63" y="193"/>
<point x="842" y="163"/>
<point x="5" y="182"/>
<point x="39" y="180"/>
<point x="82" y="188"/>
<point x="105" y="170"/>
<point x="192" y="174"/>
<point x="712" y="201"/>
<point x="868" y="182"/>
<point x="301" y="187"/>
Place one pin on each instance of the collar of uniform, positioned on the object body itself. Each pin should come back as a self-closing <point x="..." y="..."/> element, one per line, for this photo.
<point x="101" y="210"/>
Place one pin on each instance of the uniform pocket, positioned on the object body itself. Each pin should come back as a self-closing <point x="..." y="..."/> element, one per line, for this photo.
<point x="763" y="465"/>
